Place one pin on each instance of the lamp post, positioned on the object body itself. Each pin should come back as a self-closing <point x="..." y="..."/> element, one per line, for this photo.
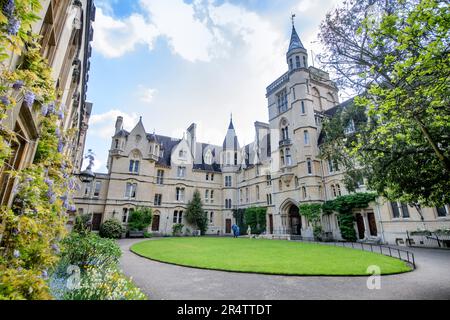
<point x="87" y="176"/>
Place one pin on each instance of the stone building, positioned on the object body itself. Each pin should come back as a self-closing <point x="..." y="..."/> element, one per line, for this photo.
<point x="280" y="170"/>
<point x="66" y="30"/>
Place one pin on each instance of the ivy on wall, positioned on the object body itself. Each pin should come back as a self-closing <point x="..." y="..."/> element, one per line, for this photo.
<point x="31" y="230"/>
<point x="312" y="212"/>
<point x="344" y="205"/>
<point x="255" y="217"/>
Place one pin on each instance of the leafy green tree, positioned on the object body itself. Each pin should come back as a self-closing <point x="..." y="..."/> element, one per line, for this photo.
<point x="395" y="55"/>
<point x="195" y="215"/>
<point x="255" y="217"/>
<point x="140" y="219"/>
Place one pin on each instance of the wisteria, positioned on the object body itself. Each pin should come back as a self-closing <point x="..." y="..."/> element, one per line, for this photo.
<point x="13" y="26"/>
<point x="44" y="110"/>
<point x="16" y="254"/>
<point x="29" y="98"/>
<point x="61" y="115"/>
<point x="9" y="8"/>
<point x="18" y="85"/>
<point x="4" y="100"/>
<point x="60" y="146"/>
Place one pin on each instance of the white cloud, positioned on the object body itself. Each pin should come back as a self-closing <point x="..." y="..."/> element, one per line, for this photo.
<point x="146" y="95"/>
<point x="114" y="37"/>
<point x="102" y="125"/>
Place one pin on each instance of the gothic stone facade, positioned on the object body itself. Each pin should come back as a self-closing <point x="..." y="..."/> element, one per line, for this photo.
<point x="279" y="170"/>
<point x="66" y="30"/>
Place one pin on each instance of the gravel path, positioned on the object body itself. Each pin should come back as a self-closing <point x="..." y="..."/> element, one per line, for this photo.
<point x="160" y="281"/>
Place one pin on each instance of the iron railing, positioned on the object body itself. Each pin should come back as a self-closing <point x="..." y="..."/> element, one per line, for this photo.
<point x="401" y="254"/>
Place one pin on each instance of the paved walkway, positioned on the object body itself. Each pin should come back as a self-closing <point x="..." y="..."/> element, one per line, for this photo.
<point x="160" y="281"/>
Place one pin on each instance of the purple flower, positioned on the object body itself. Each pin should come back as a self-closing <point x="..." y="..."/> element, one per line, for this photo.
<point x="13" y="26"/>
<point x="60" y="146"/>
<point x="61" y="115"/>
<point x="55" y="248"/>
<point x="45" y="274"/>
<point x="9" y="8"/>
<point x="15" y="231"/>
<point x="58" y="132"/>
<point x="73" y="208"/>
<point x="18" y="85"/>
<point x="51" y="108"/>
<point x="48" y="182"/>
<point x="29" y="98"/>
<point x="44" y="110"/>
<point x="16" y="254"/>
<point x="5" y="100"/>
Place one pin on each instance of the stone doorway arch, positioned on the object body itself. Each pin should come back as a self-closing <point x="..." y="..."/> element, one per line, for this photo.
<point x="295" y="220"/>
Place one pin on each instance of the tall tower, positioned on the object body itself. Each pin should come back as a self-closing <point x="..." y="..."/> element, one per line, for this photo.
<point x="296" y="101"/>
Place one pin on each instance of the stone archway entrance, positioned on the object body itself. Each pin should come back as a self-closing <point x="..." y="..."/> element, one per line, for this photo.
<point x="295" y="221"/>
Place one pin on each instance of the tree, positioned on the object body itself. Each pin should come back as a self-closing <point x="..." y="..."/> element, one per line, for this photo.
<point x="195" y="214"/>
<point x="255" y="217"/>
<point x="395" y="55"/>
<point x="140" y="219"/>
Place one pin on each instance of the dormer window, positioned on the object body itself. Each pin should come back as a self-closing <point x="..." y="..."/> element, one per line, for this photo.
<point x="208" y="157"/>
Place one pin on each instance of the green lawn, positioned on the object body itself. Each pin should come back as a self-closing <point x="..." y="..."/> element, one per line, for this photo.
<point x="266" y="256"/>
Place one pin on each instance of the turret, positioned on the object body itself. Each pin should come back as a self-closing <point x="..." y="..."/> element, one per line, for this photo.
<point x="297" y="56"/>
<point x="231" y="147"/>
<point x="119" y="124"/>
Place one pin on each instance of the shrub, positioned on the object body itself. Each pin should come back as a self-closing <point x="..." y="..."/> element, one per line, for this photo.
<point x="177" y="229"/>
<point x="82" y="224"/>
<point x="147" y="234"/>
<point x="255" y="217"/>
<point x="140" y="219"/>
<point x="111" y="229"/>
<point x="103" y="284"/>
<point x="90" y="250"/>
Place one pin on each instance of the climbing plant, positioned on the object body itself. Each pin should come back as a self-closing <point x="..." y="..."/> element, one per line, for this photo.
<point x="31" y="230"/>
<point x="312" y="212"/>
<point x="255" y="217"/>
<point x="344" y="206"/>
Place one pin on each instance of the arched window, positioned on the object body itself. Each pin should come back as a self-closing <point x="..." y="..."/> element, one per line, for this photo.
<point x="208" y="157"/>
<point x="309" y="165"/>
<point x="304" y="192"/>
<point x="280" y="184"/>
<point x="282" y="157"/>
<point x="333" y="190"/>
<point x="297" y="62"/>
<point x="303" y="107"/>
<point x="338" y="187"/>
<point x="316" y="98"/>
<point x="257" y="192"/>
<point x="305" y="63"/>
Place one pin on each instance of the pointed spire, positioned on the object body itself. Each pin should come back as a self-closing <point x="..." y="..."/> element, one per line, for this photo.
<point x="231" y="126"/>
<point x="295" y="43"/>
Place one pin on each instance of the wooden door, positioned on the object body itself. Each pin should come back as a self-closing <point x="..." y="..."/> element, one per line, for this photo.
<point x="360" y="225"/>
<point x="228" y="226"/>
<point x="271" y="223"/>
<point x="155" y="223"/>
<point x="372" y="224"/>
<point x="96" y="221"/>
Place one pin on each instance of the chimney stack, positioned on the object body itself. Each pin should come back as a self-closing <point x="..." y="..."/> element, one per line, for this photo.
<point x="119" y="124"/>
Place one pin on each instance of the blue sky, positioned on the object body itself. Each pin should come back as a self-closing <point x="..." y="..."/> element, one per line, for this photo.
<point x="176" y="62"/>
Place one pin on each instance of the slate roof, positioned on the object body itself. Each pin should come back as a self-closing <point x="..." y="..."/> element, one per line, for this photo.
<point x="295" y="43"/>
